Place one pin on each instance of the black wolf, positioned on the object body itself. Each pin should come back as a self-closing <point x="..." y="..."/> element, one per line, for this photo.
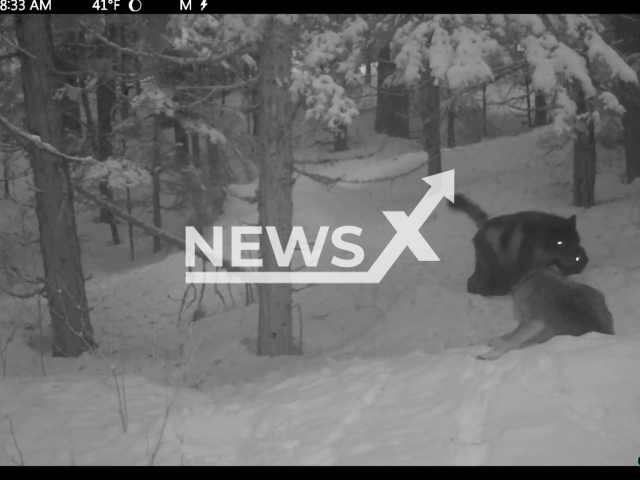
<point x="509" y="246"/>
<point x="547" y="304"/>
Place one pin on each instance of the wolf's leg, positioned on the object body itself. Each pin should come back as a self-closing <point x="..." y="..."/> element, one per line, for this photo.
<point x="496" y="342"/>
<point x="516" y="339"/>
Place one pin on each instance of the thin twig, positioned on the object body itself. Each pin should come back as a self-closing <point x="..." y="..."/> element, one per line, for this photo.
<point x="15" y="442"/>
<point x="300" y="320"/>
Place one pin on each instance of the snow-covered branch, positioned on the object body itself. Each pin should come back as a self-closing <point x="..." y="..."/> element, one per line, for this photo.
<point x="211" y="58"/>
<point x="219" y="90"/>
<point x="37" y="142"/>
<point x="118" y="173"/>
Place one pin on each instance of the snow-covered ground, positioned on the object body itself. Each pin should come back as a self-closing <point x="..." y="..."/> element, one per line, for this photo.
<point x="389" y="374"/>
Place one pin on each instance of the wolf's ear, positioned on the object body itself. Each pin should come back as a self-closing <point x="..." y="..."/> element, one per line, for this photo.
<point x="572" y="220"/>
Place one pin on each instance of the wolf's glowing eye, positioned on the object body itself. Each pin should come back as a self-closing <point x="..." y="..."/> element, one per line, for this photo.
<point x="560" y="242"/>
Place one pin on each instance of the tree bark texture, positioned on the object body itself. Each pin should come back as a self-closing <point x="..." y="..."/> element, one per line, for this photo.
<point x="156" y="163"/>
<point x="275" y="333"/>
<point x="64" y="279"/>
<point x="431" y="121"/>
<point x="383" y="105"/>
<point x="106" y="102"/>
<point x="584" y="158"/>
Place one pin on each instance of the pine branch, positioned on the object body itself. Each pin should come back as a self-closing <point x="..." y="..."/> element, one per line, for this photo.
<point x="154" y="231"/>
<point x="170" y="58"/>
<point x="219" y="89"/>
<point x="150" y="229"/>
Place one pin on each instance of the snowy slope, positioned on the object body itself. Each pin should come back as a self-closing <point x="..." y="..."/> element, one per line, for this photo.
<point x="389" y="374"/>
<point x="557" y="404"/>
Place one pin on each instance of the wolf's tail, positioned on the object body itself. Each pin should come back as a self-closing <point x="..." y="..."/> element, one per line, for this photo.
<point x="463" y="204"/>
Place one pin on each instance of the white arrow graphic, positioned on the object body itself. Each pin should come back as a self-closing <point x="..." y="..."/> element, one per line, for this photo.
<point x="407" y="235"/>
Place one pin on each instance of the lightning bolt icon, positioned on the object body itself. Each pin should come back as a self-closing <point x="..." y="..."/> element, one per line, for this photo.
<point x="203" y="4"/>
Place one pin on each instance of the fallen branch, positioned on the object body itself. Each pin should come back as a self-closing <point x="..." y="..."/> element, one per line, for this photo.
<point x="150" y="229"/>
<point x="323" y="179"/>
<point x="323" y="161"/>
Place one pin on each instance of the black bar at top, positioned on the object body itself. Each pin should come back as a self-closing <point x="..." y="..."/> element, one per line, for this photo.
<point x="108" y="6"/>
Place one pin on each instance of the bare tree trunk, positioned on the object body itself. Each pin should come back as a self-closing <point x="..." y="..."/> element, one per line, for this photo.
<point x="223" y="100"/>
<point x="64" y="279"/>
<point x="6" y="167"/>
<point x="584" y="158"/>
<point x="431" y="121"/>
<point x="211" y="181"/>
<point x="137" y="65"/>
<point x="528" y="91"/>
<point x="106" y="101"/>
<point x="195" y="150"/>
<point x="484" y="111"/>
<point x="204" y="191"/>
<point x="256" y="112"/>
<point x="223" y="96"/>
<point x="124" y="115"/>
<point x="451" y="124"/>
<point x="631" y="125"/>
<point x="383" y="106"/>
<point x="181" y="145"/>
<point x="209" y="166"/>
<point x="253" y="92"/>
<point x="132" y="249"/>
<point x="399" y="110"/>
<point x="91" y="124"/>
<point x="275" y="331"/>
<point x="66" y="60"/>
<point x="200" y="197"/>
<point x="627" y="32"/>
<point x="219" y="174"/>
<point x="395" y="100"/>
<point x="340" y="139"/>
<point x="156" y="163"/>
<point x="540" y="118"/>
<point x="367" y="63"/>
